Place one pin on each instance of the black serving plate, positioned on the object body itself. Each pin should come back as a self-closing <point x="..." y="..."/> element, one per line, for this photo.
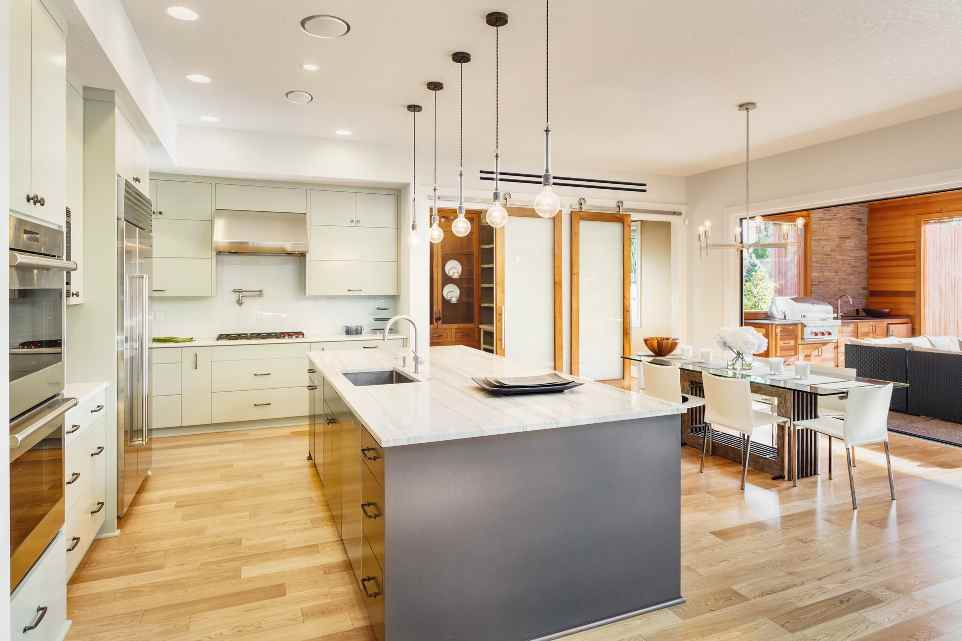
<point x="518" y="391"/>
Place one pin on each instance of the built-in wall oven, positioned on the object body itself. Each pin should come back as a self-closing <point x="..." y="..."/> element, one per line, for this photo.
<point x="37" y="407"/>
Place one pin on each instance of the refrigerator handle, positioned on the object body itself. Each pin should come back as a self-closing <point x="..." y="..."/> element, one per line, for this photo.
<point x="144" y="357"/>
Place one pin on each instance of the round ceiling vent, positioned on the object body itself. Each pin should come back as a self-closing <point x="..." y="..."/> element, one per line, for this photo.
<point x="299" y="96"/>
<point x="325" y="26"/>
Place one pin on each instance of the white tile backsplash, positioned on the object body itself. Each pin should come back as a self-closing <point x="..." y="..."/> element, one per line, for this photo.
<point x="283" y="306"/>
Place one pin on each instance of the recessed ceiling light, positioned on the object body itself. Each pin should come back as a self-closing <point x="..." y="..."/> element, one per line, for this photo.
<point x="325" y="26"/>
<point x="344" y="132"/>
<point x="310" y="66"/>
<point x="199" y="78"/>
<point x="210" y="118"/>
<point x="182" y="13"/>
<point x="299" y="96"/>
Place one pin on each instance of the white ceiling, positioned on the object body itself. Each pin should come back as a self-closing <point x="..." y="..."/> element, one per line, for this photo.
<point x="639" y="86"/>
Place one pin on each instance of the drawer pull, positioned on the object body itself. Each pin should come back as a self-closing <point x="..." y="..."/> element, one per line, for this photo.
<point x="74" y="542"/>
<point x="369" y="346"/>
<point x="100" y="506"/>
<point x="366" y="453"/>
<point x="331" y="421"/>
<point x="261" y="404"/>
<point x="73" y="429"/>
<point x="96" y="409"/>
<point x="375" y="512"/>
<point x="37" y="620"/>
<point x="355" y="290"/>
<point x="98" y="451"/>
<point x="312" y="371"/>
<point x="73" y="478"/>
<point x="262" y="373"/>
<point x="371" y="579"/>
<point x="312" y="387"/>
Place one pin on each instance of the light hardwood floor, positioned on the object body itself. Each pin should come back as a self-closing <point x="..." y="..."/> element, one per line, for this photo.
<point x="230" y="539"/>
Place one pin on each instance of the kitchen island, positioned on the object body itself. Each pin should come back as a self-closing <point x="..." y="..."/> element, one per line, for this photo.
<point x="468" y="517"/>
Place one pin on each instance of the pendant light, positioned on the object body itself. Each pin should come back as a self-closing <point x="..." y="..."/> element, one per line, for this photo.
<point x="497" y="215"/>
<point x="461" y="226"/>
<point x="436" y="234"/>
<point x="547" y="203"/>
<point x="414" y="110"/>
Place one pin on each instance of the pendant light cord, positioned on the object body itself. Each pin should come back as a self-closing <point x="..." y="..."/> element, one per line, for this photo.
<point x="547" y="64"/>
<point x="434" y="215"/>
<point x="461" y="139"/>
<point x="497" y="111"/>
<point x="747" y="160"/>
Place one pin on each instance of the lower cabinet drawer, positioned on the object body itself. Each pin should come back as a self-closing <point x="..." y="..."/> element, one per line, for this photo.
<point x="38" y="607"/>
<point x="373" y="456"/>
<point x="372" y="588"/>
<point x="165" y="411"/>
<point x="251" y="405"/>
<point x="267" y="373"/>
<point x="372" y="509"/>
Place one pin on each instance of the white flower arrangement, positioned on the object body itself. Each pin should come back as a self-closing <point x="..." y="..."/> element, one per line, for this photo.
<point x="741" y="341"/>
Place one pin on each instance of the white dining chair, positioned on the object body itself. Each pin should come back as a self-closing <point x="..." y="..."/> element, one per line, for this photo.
<point x="833" y="405"/>
<point x="664" y="382"/>
<point x="865" y="423"/>
<point x="728" y="403"/>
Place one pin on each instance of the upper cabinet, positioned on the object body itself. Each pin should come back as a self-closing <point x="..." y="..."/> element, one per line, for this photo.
<point x="350" y="209"/>
<point x="133" y="160"/>
<point x="181" y="200"/>
<point x="38" y="104"/>
<point x="257" y="198"/>
<point x="184" y="263"/>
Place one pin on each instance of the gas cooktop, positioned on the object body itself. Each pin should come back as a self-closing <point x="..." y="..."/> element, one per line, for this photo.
<point x="255" y="336"/>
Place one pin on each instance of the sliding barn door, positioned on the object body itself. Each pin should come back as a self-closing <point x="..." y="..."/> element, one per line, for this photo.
<point x="600" y="290"/>
<point x="532" y="290"/>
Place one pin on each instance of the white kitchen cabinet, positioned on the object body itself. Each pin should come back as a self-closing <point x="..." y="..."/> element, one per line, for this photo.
<point x="41" y="598"/>
<point x="258" y="374"/>
<point x="252" y="405"/>
<point x="333" y="208"/>
<point x="132" y="156"/>
<point x="182" y="239"/>
<point x="377" y="210"/>
<point x="38" y="104"/>
<point x="258" y="198"/>
<point x="165" y="379"/>
<point x="195" y="384"/>
<point x="354" y="243"/>
<point x="393" y="343"/>
<point x="182" y="200"/>
<point x="182" y="277"/>
<point x="165" y="411"/>
<point x="75" y="193"/>
<point x="351" y="278"/>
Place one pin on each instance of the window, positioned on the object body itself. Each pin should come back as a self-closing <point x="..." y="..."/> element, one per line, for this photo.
<point x="773" y="271"/>
<point x="942" y="287"/>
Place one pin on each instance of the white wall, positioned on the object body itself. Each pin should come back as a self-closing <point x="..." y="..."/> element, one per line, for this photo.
<point x="4" y="311"/>
<point x="284" y="307"/>
<point x="656" y="285"/>
<point x="918" y="156"/>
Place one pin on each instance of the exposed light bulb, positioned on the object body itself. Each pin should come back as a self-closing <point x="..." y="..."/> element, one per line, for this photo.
<point x="547" y="203"/>
<point x="708" y="225"/>
<point x="496" y="215"/>
<point x="437" y="234"/>
<point x="461" y="226"/>
<point x="800" y="222"/>
<point x="758" y="219"/>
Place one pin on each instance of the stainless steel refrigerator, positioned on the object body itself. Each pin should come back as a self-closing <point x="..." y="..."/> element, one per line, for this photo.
<point x="134" y="251"/>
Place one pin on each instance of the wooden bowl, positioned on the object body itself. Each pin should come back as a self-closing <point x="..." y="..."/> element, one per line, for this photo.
<point x="661" y="345"/>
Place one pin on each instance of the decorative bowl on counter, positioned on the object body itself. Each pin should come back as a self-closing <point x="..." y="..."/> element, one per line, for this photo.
<point x="661" y="345"/>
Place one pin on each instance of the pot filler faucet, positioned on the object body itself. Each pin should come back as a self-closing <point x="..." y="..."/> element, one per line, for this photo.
<point x="414" y="348"/>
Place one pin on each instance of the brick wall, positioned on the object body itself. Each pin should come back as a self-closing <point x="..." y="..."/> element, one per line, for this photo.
<point x="840" y="253"/>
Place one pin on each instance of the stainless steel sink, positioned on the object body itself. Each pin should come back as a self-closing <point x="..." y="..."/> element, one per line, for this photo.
<point x="378" y="377"/>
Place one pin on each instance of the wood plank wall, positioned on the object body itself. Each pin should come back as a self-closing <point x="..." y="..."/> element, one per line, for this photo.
<point x="895" y="253"/>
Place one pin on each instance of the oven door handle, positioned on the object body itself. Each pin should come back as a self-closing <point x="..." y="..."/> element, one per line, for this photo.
<point x="21" y="437"/>
<point x="29" y="261"/>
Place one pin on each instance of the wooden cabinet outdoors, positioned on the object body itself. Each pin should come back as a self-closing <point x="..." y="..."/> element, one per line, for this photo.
<point x="783" y="339"/>
<point x="900" y="330"/>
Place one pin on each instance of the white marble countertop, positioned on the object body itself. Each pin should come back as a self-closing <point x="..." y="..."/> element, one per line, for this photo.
<point x="446" y="404"/>
<point x="83" y="391"/>
<point x="212" y="342"/>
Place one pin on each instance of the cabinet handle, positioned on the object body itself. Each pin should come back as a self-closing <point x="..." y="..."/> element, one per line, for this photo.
<point x="100" y="506"/>
<point x="372" y="506"/>
<point x="366" y="453"/>
<point x="43" y="201"/>
<point x="355" y="290"/>
<point x="75" y="293"/>
<point x="73" y="478"/>
<point x="312" y="371"/>
<point x="136" y="179"/>
<point x="98" y="451"/>
<point x="331" y="421"/>
<point x="312" y="387"/>
<point x="262" y="373"/>
<point x="96" y="409"/>
<point x="37" y="620"/>
<point x="29" y="199"/>
<point x="195" y="360"/>
<point x="74" y="542"/>
<point x="261" y="404"/>
<point x="371" y="579"/>
<point x="73" y="429"/>
<point x="369" y="346"/>
<point x="158" y="290"/>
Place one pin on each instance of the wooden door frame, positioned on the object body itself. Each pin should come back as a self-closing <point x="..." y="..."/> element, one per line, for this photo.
<point x="625" y="220"/>
<point x="434" y="251"/>
<point x="920" y="222"/>
<point x="499" y="266"/>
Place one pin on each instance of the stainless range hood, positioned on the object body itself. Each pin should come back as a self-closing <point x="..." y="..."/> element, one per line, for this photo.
<point x="259" y="232"/>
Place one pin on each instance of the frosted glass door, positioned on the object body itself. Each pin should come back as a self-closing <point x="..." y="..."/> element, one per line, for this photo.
<point x="529" y="292"/>
<point x="601" y="304"/>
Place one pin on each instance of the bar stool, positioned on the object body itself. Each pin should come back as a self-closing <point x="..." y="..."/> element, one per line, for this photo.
<point x="728" y="402"/>
<point x="865" y="423"/>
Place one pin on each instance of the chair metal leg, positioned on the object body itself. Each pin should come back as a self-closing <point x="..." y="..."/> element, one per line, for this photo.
<point x="793" y="452"/>
<point x="854" y="464"/>
<point x="746" y="452"/>
<point x="851" y="476"/>
<point x="829" y="458"/>
<point x="888" y="462"/>
<point x="704" y="447"/>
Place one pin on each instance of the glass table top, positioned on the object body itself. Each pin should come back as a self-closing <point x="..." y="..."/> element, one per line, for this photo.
<point x="761" y="375"/>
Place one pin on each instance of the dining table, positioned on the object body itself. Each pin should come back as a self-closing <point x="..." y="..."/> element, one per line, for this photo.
<point x="793" y="452"/>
